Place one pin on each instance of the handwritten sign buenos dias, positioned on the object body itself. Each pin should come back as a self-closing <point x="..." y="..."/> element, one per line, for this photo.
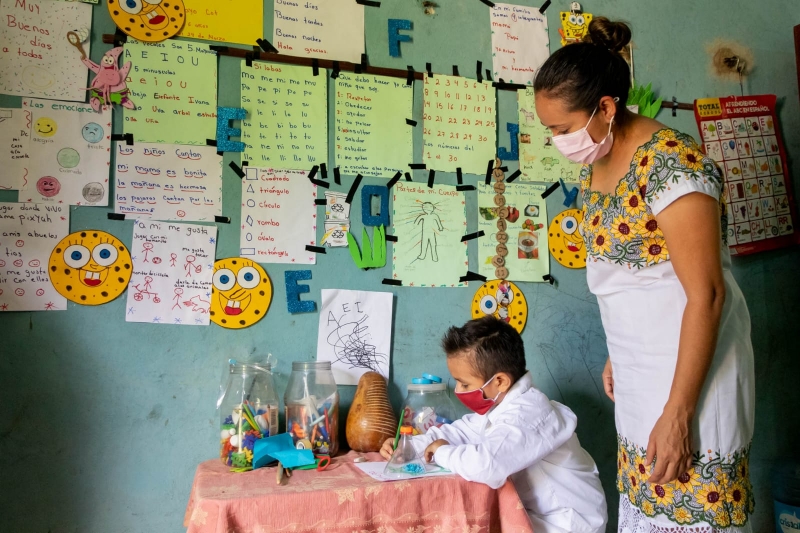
<point x="15" y="134"/>
<point x="35" y="57"/>
<point x="372" y="137"/>
<point x="287" y="116"/>
<point x="213" y="20"/>
<point x="328" y="29"/>
<point x="173" y="267"/>
<point x="520" y="44"/>
<point x="459" y="125"/>
<point x="168" y="181"/>
<point x="174" y="86"/>
<point x="28" y="234"/>
<point x="279" y="216"/>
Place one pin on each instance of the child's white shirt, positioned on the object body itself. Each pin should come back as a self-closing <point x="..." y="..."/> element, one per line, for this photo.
<point x="532" y="440"/>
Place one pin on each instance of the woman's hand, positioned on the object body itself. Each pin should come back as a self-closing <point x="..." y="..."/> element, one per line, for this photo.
<point x="671" y="443"/>
<point x="432" y="447"/>
<point x="387" y="449"/>
<point x="608" y="379"/>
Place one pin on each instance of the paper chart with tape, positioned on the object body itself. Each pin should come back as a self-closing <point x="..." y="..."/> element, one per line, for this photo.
<point x="15" y="134"/>
<point x="329" y="29"/>
<point x="520" y="43"/>
<point x="214" y="21"/>
<point x="279" y="216"/>
<point x="287" y="116"/>
<point x="168" y="181"/>
<point x="372" y="136"/>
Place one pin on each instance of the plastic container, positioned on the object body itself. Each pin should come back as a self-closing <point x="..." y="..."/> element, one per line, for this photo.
<point x="405" y="462"/>
<point x="786" y="492"/>
<point x="427" y="405"/>
<point x="311" y="404"/>
<point x="248" y="410"/>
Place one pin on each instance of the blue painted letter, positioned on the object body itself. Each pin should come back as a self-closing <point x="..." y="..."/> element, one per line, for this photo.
<point x="294" y="290"/>
<point x="225" y="131"/>
<point x="513" y="154"/>
<point x="395" y="38"/>
<point x="367" y="218"/>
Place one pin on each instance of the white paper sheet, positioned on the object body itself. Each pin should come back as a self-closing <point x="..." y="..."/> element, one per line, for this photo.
<point x="520" y="43"/>
<point x="173" y="267"/>
<point x="15" y="132"/>
<point x="279" y="216"/>
<point x="355" y="333"/>
<point x="168" y="181"/>
<point x="70" y="154"/>
<point x="28" y="234"/>
<point x="328" y="29"/>
<point x="375" y="471"/>
<point x="35" y="58"/>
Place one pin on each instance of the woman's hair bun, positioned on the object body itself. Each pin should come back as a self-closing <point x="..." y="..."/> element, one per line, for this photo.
<point x="612" y="35"/>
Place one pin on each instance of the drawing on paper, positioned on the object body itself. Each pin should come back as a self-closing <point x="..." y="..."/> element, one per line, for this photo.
<point x="240" y="295"/>
<point x="108" y="86"/>
<point x="350" y="341"/>
<point x="503" y="300"/>
<point x="430" y="224"/>
<point x="148" y="21"/>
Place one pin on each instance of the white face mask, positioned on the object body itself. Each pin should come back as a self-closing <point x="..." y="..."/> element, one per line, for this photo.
<point x="579" y="146"/>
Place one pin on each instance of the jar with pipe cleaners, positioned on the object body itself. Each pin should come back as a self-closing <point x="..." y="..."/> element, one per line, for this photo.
<point x="427" y="404"/>
<point x="311" y="404"/>
<point x="248" y="410"/>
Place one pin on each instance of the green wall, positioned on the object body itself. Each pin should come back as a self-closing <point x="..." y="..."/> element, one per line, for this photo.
<point x="102" y="422"/>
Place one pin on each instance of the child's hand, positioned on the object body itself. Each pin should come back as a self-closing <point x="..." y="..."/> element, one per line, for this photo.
<point x="432" y="447"/>
<point x="387" y="449"/>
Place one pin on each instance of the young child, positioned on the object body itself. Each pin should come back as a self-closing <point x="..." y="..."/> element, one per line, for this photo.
<point x="515" y="432"/>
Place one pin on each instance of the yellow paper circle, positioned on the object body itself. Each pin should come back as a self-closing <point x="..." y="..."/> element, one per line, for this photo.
<point x="240" y="294"/>
<point x="566" y="240"/>
<point x="148" y="22"/>
<point x="90" y="267"/>
<point x="503" y="300"/>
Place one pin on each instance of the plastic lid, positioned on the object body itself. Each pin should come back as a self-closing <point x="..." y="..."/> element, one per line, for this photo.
<point x="311" y="365"/>
<point x="406" y="430"/>
<point x="421" y="381"/>
<point x="427" y="387"/>
<point x="434" y="379"/>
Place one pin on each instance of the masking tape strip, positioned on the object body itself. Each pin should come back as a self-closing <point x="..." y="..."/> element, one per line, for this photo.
<point x="368" y="3"/>
<point x="315" y="249"/>
<point x="335" y="73"/>
<point x="417" y="166"/>
<point x="223" y="220"/>
<point x="394" y="180"/>
<point x="315" y="66"/>
<point x="459" y="176"/>
<point x="320" y="201"/>
<point x="472" y="276"/>
<point x="551" y="189"/>
<point x="391" y="238"/>
<point x="410" y="76"/>
<point x="411" y="122"/>
<point x="428" y="68"/>
<point x="128" y="138"/>
<point x="116" y="216"/>
<point x="408" y="176"/>
<point x="337" y="178"/>
<point x="267" y="46"/>
<point x="431" y="178"/>
<point x="544" y="7"/>
<point x="237" y="169"/>
<point x="488" y="3"/>
<point x="462" y="188"/>
<point x="470" y="236"/>
<point x="323" y="170"/>
<point x="455" y="70"/>
<point x="353" y="188"/>
<point x="478" y="71"/>
<point x="313" y="172"/>
<point x="397" y="282"/>
<point x="513" y="176"/>
<point x="489" y="169"/>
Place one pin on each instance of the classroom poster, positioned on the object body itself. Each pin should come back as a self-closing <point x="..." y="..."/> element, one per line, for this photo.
<point x="429" y="223"/>
<point x="355" y="333"/>
<point x="526" y="253"/>
<point x="327" y="29"/>
<point x="222" y="22"/>
<point x="28" y="234"/>
<point x="35" y="58"/>
<point x="70" y="154"/>
<point x="15" y="133"/>
<point x="168" y="181"/>
<point x="174" y="87"/>
<point x="459" y="124"/>
<point x="539" y="159"/>
<point x="743" y="136"/>
<point x="287" y="116"/>
<point x="279" y="216"/>
<point x="520" y="43"/>
<point x="173" y="267"/>
<point x="372" y="136"/>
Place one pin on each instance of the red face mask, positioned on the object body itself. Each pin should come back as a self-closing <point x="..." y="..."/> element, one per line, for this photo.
<point x="475" y="401"/>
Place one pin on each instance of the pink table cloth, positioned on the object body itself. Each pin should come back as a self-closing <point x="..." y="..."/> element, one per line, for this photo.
<point x="342" y="498"/>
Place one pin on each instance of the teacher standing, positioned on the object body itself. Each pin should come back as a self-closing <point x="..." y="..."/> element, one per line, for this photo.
<point x="680" y="366"/>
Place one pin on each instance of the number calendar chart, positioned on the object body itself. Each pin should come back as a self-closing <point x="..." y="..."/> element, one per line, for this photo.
<point x="742" y="135"/>
<point x="459" y="124"/>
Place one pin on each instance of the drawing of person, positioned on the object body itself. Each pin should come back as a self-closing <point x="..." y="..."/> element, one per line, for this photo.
<point x="172" y="259"/>
<point x="430" y="223"/>
<point x="146" y="249"/>
<point x="177" y="298"/>
<point x="189" y="266"/>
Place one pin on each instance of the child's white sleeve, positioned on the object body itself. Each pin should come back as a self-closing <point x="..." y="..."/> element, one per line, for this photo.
<point x="507" y="448"/>
<point x="459" y="432"/>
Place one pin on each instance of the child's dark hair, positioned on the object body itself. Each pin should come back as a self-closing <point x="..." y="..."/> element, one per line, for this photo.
<point x="492" y="345"/>
<point x="582" y="73"/>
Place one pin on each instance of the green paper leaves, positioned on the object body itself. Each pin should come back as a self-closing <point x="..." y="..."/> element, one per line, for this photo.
<point x="374" y="253"/>
<point x="643" y="97"/>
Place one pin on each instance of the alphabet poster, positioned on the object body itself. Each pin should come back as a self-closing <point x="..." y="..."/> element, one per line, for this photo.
<point x="35" y="57"/>
<point x="168" y="181"/>
<point x="372" y="136"/>
<point x="459" y="126"/>
<point x="429" y="224"/>
<point x="520" y="44"/>
<point x="327" y="29"/>
<point x="355" y="333"/>
<point x="173" y="267"/>
<point x="287" y="116"/>
<point x="15" y="133"/>
<point x="28" y="234"/>
<point x="214" y="21"/>
<point x="70" y="154"/>
<point x="174" y="86"/>
<point x="279" y="216"/>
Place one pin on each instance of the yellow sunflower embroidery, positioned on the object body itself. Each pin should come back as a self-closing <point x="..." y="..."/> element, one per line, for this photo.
<point x="709" y="497"/>
<point x="647" y="228"/>
<point x="622" y="188"/>
<point x="722" y="519"/>
<point x="622" y="229"/>
<point x="665" y="133"/>
<point x="653" y="251"/>
<point x="691" y="159"/>
<point x="606" y="202"/>
<point x="601" y="243"/>
<point x="642" y="470"/>
<point x="593" y="199"/>
<point x="682" y="515"/>
<point x="687" y="482"/>
<point x="738" y="517"/>
<point x="669" y="145"/>
<point x="633" y="205"/>
<point x="736" y="495"/>
<point x="644" y="162"/>
<point x="722" y="478"/>
<point x="662" y="494"/>
<point x="632" y="497"/>
<point x="620" y="485"/>
<point x="647" y="508"/>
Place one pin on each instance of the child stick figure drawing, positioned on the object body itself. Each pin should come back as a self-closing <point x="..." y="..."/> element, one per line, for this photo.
<point x="177" y="298"/>
<point x="430" y="222"/>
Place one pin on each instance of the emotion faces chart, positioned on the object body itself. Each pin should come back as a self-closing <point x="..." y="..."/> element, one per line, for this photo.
<point x="90" y="267"/>
<point x="149" y="22"/>
<point x="502" y="300"/>
<point x="566" y="240"/>
<point x="241" y="293"/>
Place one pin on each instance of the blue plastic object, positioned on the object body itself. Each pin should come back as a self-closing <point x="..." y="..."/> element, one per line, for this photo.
<point x="421" y="381"/>
<point x="434" y="379"/>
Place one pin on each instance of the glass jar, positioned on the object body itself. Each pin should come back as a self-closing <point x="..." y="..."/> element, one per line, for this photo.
<point x="427" y="405"/>
<point x="311" y="404"/>
<point x="248" y="410"/>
